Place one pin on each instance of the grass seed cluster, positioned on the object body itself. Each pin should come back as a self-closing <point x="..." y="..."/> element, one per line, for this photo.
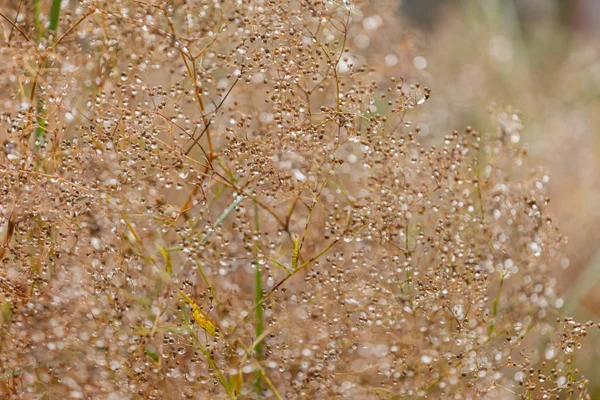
<point x="221" y="199"/>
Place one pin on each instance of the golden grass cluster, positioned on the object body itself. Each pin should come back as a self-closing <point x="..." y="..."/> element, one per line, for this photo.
<point x="220" y="199"/>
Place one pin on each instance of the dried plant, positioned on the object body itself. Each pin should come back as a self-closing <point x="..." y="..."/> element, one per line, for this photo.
<point x="222" y="200"/>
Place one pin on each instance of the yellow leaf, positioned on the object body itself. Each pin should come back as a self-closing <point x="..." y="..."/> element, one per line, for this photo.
<point x="185" y="297"/>
<point x="167" y="257"/>
<point x="295" y="254"/>
<point x="132" y="230"/>
<point x="204" y="322"/>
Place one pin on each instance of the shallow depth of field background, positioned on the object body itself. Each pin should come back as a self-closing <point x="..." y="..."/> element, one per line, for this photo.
<point x="541" y="57"/>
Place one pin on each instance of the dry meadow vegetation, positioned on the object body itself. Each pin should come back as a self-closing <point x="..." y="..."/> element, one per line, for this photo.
<point x="222" y="199"/>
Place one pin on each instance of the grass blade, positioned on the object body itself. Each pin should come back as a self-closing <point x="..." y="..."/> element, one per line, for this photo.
<point x="36" y="20"/>
<point x="54" y="14"/>
<point x="295" y="254"/>
<point x="258" y="294"/>
<point x="224" y="215"/>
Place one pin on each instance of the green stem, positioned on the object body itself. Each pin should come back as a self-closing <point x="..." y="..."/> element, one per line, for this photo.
<point x="207" y="282"/>
<point x="259" y="327"/>
<point x="41" y="124"/>
<point x="52" y="27"/>
<point x="36" y="20"/>
<point x="213" y="365"/>
<point x="479" y="184"/>
<point x="209" y="357"/>
<point x="258" y="295"/>
<point x="492" y="324"/>
<point x="39" y="131"/>
<point x="54" y="14"/>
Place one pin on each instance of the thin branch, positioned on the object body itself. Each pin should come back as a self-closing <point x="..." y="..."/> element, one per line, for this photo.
<point x="84" y="16"/>
<point x="15" y="26"/>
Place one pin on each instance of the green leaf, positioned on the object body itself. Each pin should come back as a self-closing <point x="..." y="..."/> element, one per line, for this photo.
<point x="151" y="352"/>
<point x="6" y="311"/>
<point x="54" y="13"/>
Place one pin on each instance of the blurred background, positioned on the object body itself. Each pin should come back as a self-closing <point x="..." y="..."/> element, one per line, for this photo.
<point x="542" y="58"/>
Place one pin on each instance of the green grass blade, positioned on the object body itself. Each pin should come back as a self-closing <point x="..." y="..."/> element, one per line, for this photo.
<point x="40" y="130"/>
<point x="54" y="14"/>
<point x="224" y="215"/>
<point x="36" y="20"/>
<point x="260" y="327"/>
<point x="52" y="27"/>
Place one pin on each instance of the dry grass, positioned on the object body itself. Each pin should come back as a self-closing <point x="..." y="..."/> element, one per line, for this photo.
<point x="222" y="200"/>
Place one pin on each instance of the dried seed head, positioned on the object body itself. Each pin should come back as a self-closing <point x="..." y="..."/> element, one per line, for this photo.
<point x="244" y="157"/>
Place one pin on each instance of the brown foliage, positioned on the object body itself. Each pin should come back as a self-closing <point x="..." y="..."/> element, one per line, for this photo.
<point x="174" y="168"/>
